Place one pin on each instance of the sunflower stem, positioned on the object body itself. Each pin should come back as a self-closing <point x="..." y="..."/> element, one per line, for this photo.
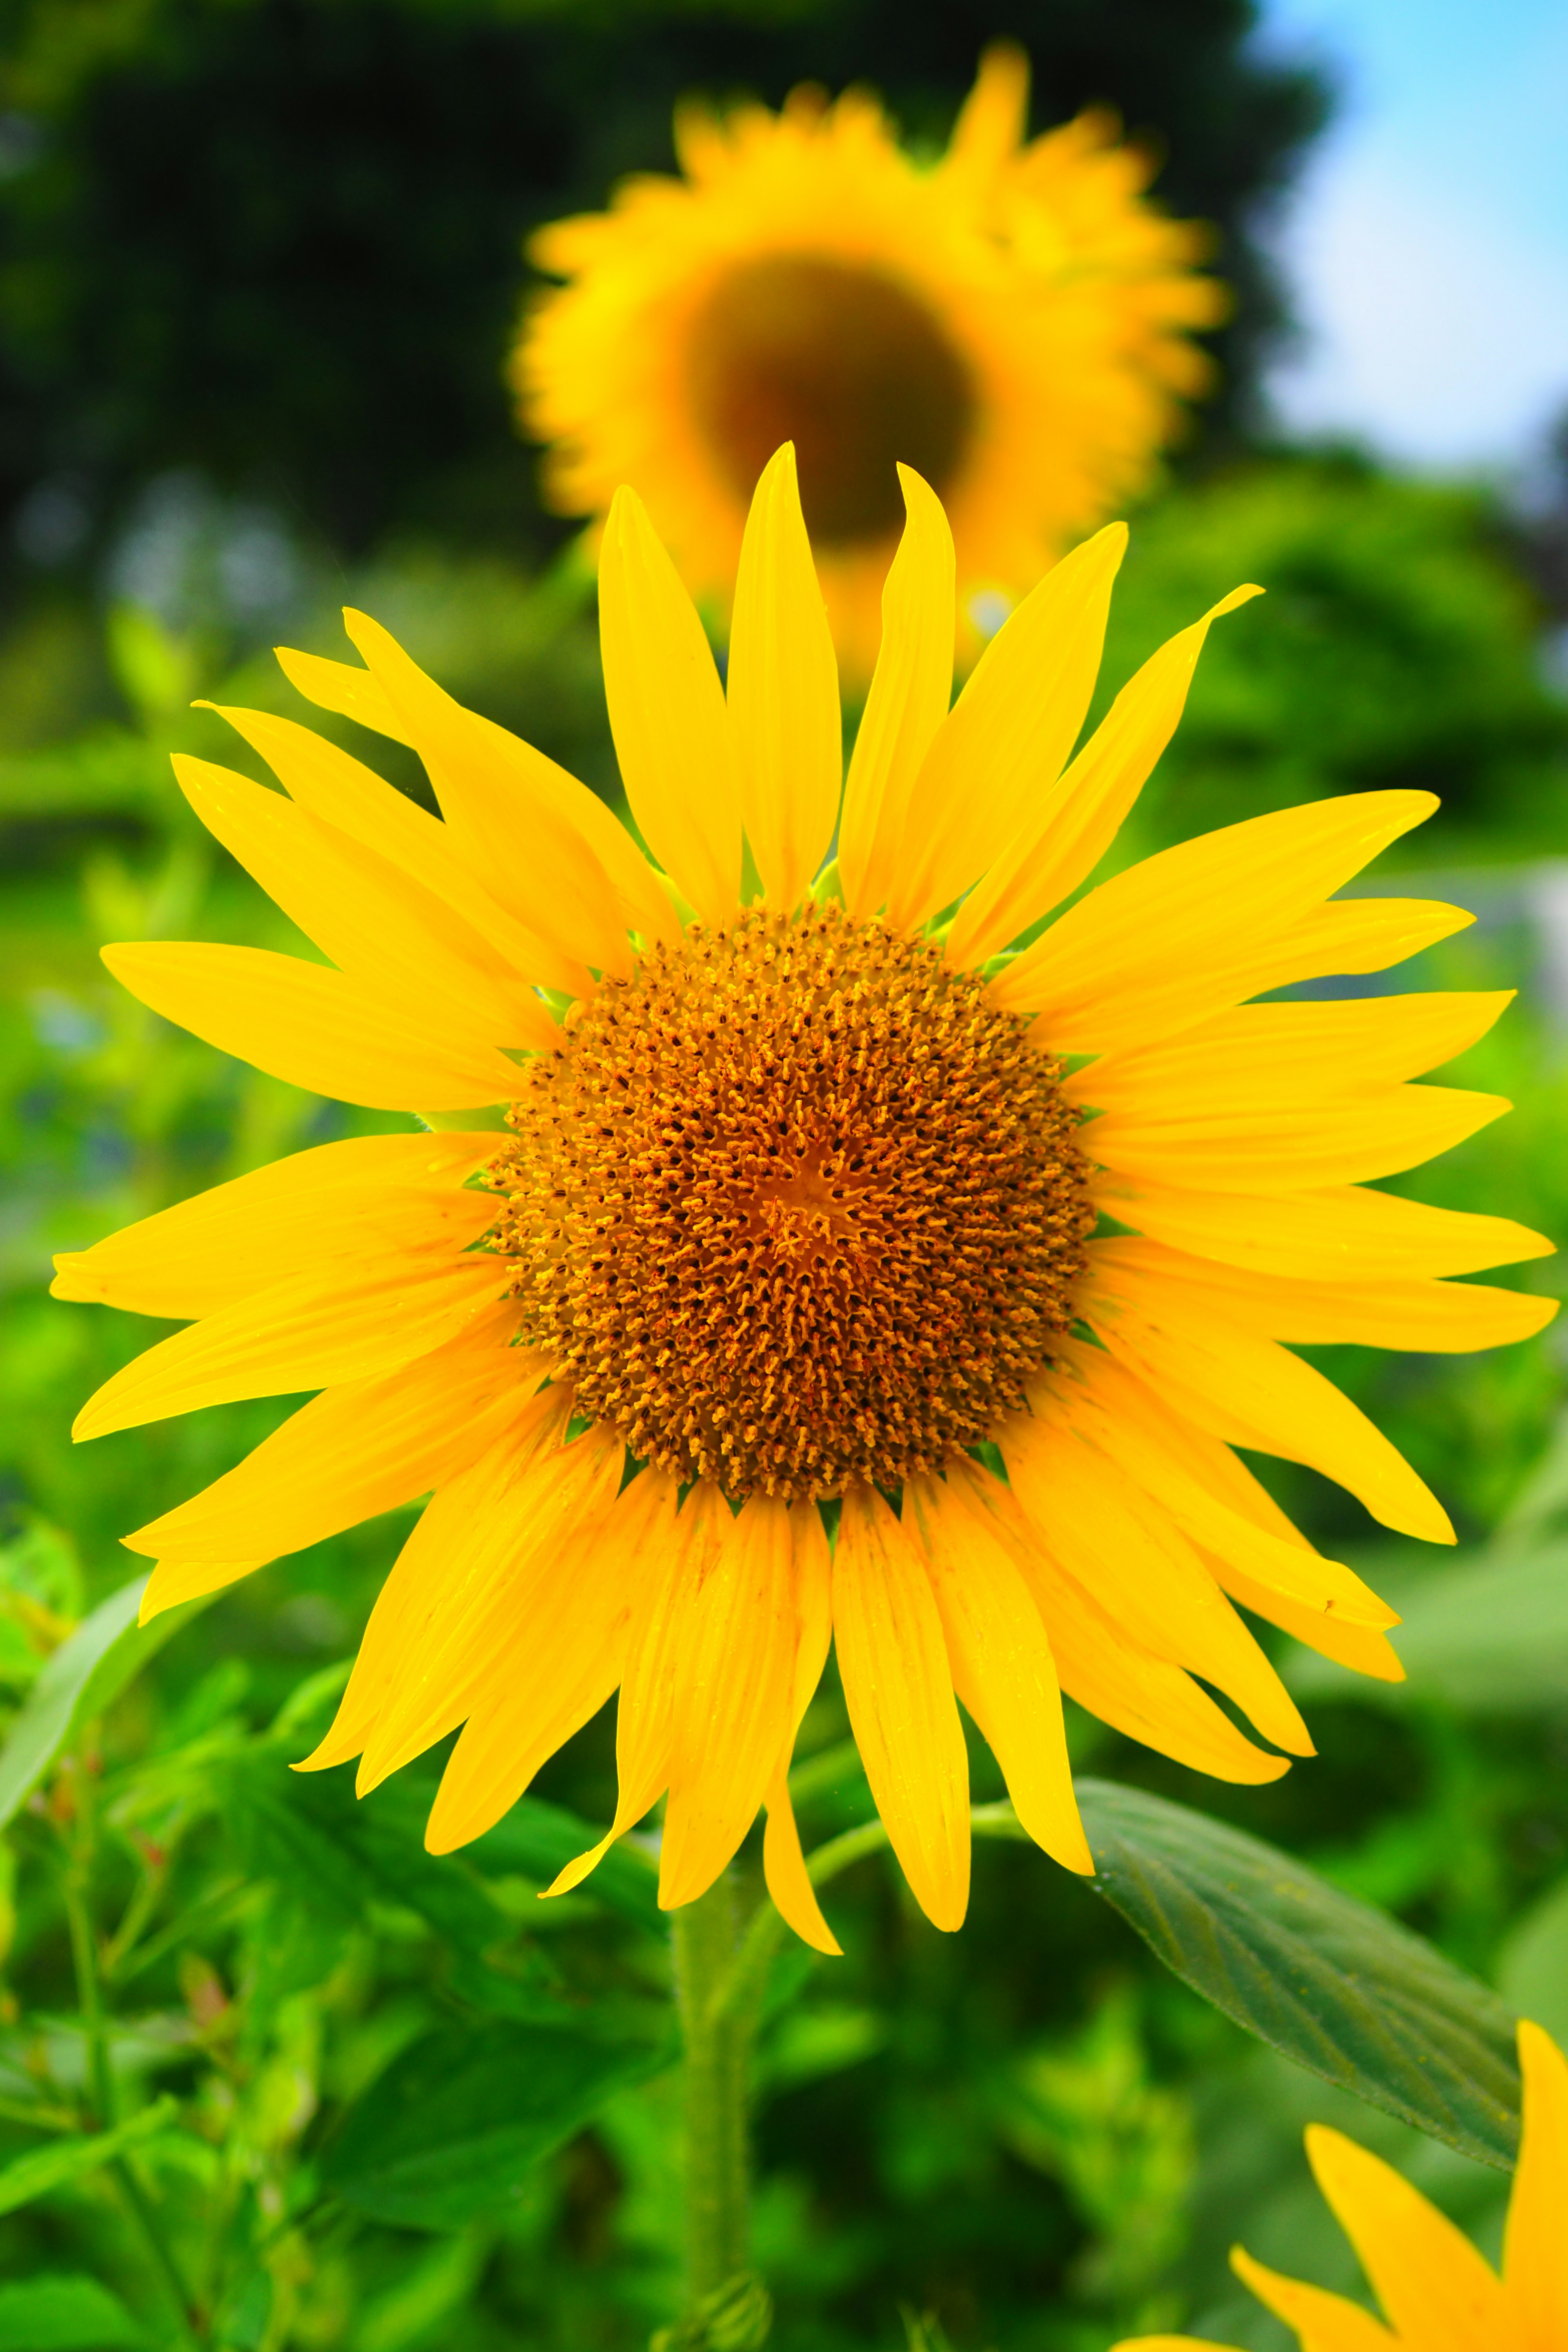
<point x="717" y="2040"/>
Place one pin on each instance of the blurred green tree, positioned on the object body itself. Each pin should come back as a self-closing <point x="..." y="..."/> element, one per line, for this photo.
<point x="279" y="239"/>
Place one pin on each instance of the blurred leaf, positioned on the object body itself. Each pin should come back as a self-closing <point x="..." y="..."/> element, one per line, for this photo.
<point x="539" y="1839"/>
<point x="65" y="2314"/>
<point x="1326" y="1980"/>
<point x="84" y="1675"/>
<point x="454" y="2126"/>
<point x="1488" y="1634"/>
<point x="44" y="2168"/>
<point x="1532" y="1972"/>
<point x="154" y="669"/>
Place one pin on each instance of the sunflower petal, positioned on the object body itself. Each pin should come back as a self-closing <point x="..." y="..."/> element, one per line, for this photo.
<point x="1062" y="839"/>
<point x="898" y="1686"/>
<point x="338" y="686"/>
<point x="1535" y="2250"/>
<point x="1324" y="2321"/>
<point x="910" y="689"/>
<point x="322" y="1030"/>
<point x="785" y="1872"/>
<point x="666" y="714"/>
<point x="342" y="1321"/>
<point x="356" y="1451"/>
<point x="1434" y="2286"/>
<point x="1345" y="1231"/>
<point x="176" y="1580"/>
<point x="784" y="692"/>
<point x="1007" y="738"/>
<point x="1002" y="1665"/>
<point x="1305" y="1147"/>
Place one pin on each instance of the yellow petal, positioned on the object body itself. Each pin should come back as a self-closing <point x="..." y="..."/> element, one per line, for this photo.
<point x="541" y="842"/>
<point x="1002" y="1665"/>
<point x="335" y="1035"/>
<point x="1356" y="1646"/>
<point x="1254" y="1054"/>
<point x="429" y="1571"/>
<point x="1194" y="1477"/>
<point x="356" y="1451"/>
<point x="992" y="120"/>
<point x="1324" y="2321"/>
<point x="910" y="689"/>
<point x="1143" y="1572"/>
<point x="1250" y="1392"/>
<point x="1060" y="841"/>
<point x="1007" y="738"/>
<point x="501" y="1589"/>
<point x="784" y="692"/>
<point x="1535" y="2250"/>
<point x="338" y="686"/>
<point x="1436" y="2290"/>
<point x="1304" y="1148"/>
<point x="343" y="1321"/>
<point x="176" y="1580"/>
<point x="1193" y="914"/>
<point x="343" y="792"/>
<point x="730" y="1701"/>
<point x="368" y="1193"/>
<point x="1341" y="1232"/>
<point x="666" y="714"/>
<point x="785" y="1872"/>
<point x="375" y="922"/>
<point x="898" y="1686"/>
<point x="550" y="1675"/>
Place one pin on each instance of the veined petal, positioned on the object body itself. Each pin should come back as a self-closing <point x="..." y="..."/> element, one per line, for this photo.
<point x="1159" y="918"/>
<point x="1356" y="1646"/>
<point x="541" y="1688"/>
<point x="343" y="792"/>
<point x="1436" y="2289"/>
<point x="666" y="714"/>
<point x="582" y="883"/>
<point x="785" y="1872"/>
<point x="910" y="688"/>
<point x="432" y="1568"/>
<point x="1060" y="841"/>
<point x="1344" y="1232"/>
<point x="682" y="1545"/>
<point x="784" y="692"/>
<point x="1535" y="2250"/>
<point x="1007" y="737"/>
<point x="898" y="1686"/>
<point x="342" y="1321"/>
<point x="367" y="1194"/>
<point x="784" y="1864"/>
<point x="1146" y="1574"/>
<point x="1002" y="1669"/>
<point x="323" y="1030"/>
<point x="1270" y="1054"/>
<point x="1324" y="2321"/>
<point x="734" y="1677"/>
<point x="356" y="1451"/>
<point x="1433" y="1317"/>
<point x="1251" y="1392"/>
<point x="1305" y="1148"/>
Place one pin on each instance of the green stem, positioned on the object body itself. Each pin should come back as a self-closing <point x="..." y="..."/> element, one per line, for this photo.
<point x="704" y="1935"/>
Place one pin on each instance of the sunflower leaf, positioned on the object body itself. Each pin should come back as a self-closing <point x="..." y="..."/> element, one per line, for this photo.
<point x="455" y="2125"/>
<point x="1327" y="1980"/>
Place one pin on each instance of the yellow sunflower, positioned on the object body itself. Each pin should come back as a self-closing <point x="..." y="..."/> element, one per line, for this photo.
<point x="1440" y="2293"/>
<point x="1012" y="322"/>
<point x="796" y="1202"/>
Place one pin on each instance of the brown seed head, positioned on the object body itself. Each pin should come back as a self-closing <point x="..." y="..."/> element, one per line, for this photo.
<point x="794" y="1205"/>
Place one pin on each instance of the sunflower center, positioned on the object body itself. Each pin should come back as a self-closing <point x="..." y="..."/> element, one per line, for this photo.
<point x="847" y="364"/>
<point x="794" y="1205"/>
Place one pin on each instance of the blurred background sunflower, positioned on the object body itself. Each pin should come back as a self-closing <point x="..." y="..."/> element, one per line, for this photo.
<point x="261" y="270"/>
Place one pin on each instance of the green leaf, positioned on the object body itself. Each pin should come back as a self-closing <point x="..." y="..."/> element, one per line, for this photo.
<point x="1532" y="1967"/>
<point x="66" y="2314"/>
<point x="65" y="2159"/>
<point x="1488" y="1635"/>
<point x="86" y="1673"/>
<point x="453" y="2127"/>
<point x="539" y="1839"/>
<point x="1325" y="1978"/>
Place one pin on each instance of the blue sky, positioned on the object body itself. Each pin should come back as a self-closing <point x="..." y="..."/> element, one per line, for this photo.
<point x="1428" y="242"/>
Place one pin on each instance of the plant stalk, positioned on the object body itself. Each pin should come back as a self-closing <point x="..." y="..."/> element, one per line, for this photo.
<point x="704" y="1936"/>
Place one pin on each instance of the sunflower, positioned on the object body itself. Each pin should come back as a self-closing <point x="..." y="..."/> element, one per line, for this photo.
<point x="797" y="1202"/>
<point x="1012" y="322"/>
<point x="1440" y="2293"/>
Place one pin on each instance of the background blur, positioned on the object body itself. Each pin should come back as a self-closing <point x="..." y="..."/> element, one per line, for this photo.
<point x="260" y="263"/>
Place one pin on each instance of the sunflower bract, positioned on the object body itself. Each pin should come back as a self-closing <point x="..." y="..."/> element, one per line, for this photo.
<point x="799" y="1205"/>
